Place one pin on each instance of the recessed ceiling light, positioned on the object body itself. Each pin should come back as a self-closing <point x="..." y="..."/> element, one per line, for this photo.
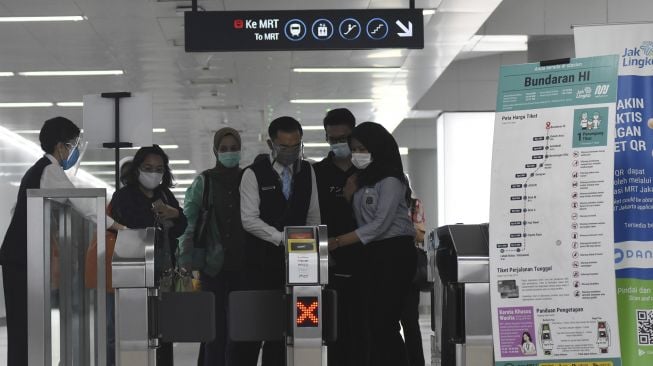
<point x="184" y="181"/>
<point x="168" y="147"/>
<point x="316" y="144"/>
<point x="16" y="164"/>
<point x="72" y="73"/>
<point x="27" y="132"/>
<point x="97" y="163"/>
<point x="74" y="18"/>
<point x="428" y="11"/>
<point x="178" y="189"/>
<point x="25" y="105"/>
<point x="403" y="151"/>
<point x="345" y="69"/>
<point x="104" y="163"/>
<point x="330" y="101"/>
<point x="70" y="104"/>
<point x="9" y="73"/>
<point x="184" y="171"/>
<point x="312" y="128"/>
<point x="315" y="158"/>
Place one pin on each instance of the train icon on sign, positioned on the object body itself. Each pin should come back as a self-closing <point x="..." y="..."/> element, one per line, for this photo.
<point x="295" y="30"/>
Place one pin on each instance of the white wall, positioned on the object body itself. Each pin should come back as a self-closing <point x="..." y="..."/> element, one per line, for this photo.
<point x="422" y="172"/>
<point x="464" y="167"/>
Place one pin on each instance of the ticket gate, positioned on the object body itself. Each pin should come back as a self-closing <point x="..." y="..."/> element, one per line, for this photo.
<point x="146" y="316"/>
<point x="465" y="325"/>
<point x="303" y="314"/>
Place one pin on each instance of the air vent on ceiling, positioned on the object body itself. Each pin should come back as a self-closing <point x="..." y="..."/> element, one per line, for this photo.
<point x="212" y="81"/>
<point x="221" y="107"/>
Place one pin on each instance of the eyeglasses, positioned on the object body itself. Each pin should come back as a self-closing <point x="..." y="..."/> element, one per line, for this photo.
<point x="286" y="148"/>
<point x="337" y="140"/>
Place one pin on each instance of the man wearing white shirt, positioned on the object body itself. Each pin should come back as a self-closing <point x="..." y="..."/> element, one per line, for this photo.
<point x="275" y="192"/>
<point x="59" y="139"/>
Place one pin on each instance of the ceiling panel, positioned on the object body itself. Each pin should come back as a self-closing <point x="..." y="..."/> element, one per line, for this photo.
<point x="139" y="37"/>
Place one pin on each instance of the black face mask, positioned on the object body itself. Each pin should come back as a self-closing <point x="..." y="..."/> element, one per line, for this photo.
<point x="285" y="156"/>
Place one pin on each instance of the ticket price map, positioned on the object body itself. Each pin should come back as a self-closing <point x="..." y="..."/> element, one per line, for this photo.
<point x="551" y="238"/>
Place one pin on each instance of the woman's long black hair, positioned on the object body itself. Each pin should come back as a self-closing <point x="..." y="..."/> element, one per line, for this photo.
<point x="131" y="176"/>
<point x="386" y="160"/>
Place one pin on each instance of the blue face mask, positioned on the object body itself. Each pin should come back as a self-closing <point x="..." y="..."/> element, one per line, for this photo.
<point x="71" y="160"/>
<point x="229" y="159"/>
<point x="341" y="150"/>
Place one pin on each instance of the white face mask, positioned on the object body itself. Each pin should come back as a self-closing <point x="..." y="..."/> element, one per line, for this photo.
<point x="341" y="150"/>
<point x="149" y="180"/>
<point x="361" y="160"/>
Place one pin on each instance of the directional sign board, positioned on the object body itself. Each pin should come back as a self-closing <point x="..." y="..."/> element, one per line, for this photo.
<point x="215" y="31"/>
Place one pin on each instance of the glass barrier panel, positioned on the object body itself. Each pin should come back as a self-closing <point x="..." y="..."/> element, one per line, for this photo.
<point x="66" y="309"/>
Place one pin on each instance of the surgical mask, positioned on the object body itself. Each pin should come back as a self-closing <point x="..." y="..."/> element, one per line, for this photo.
<point x="150" y="180"/>
<point x="71" y="160"/>
<point x="229" y="159"/>
<point x="285" y="157"/>
<point x="341" y="150"/>
<point x="361" y="160"/>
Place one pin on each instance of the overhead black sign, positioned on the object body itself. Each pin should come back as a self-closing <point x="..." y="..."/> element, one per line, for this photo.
<point x="213" y="31"/>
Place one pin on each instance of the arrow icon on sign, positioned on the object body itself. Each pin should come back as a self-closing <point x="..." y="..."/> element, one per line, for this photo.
<point x="406" y="31"/>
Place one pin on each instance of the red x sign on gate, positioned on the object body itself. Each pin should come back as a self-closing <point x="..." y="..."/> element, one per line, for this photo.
<point x="307" y="312"/>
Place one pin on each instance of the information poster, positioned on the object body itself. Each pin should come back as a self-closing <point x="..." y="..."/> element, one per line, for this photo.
<point x="633" y="179"/>
<point x="551" y="237"/>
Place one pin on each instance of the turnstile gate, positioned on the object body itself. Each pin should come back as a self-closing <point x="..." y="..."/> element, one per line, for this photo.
<point x="146" y="316"/>
<point x="463" y="296"/>
<point x="303" y="314"/>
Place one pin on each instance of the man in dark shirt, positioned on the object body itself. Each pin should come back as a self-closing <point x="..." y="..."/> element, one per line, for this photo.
<point x="331" y="175"/>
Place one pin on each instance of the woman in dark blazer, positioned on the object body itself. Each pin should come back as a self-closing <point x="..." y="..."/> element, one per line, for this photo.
<point x="146" y="201"/>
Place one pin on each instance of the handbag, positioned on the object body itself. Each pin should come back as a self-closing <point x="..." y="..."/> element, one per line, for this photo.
<point x="177" y="280"/>
<point x="421" y="280"/>
<point x="201" y="227"/>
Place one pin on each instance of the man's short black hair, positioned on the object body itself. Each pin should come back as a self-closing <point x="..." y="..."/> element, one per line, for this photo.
<point x="285" y="124"/>
<point x="338" y="117"/>
<point x="56" y="130"/>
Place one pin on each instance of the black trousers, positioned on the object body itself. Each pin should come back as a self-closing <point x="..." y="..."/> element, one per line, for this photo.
<point x="215" y="353"/>
<point x="410" y="324"/>
<point x="351" y="347"/>
<point x="390" y="267"/>
<point x="246" y="353"/>
<point x="14" y="279"/>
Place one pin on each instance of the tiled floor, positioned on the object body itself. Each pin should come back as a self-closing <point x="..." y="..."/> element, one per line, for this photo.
<point x="186" y="354"/>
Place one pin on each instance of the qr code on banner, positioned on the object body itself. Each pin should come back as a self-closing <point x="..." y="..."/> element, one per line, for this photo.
<point x="645" y="327"/>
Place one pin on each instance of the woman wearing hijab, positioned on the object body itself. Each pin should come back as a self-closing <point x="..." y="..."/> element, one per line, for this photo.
<point x="220" y="260"/>
<point x="146" y="201"/>
<point x="380" y="196"/>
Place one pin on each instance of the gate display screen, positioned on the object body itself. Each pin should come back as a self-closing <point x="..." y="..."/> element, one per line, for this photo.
<point x="297" y="30"/>
<point x="308" y="311"/>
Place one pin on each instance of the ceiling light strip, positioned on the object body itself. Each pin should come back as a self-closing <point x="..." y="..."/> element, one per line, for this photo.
<point x="72" y="18"/>
<point x="72" y="73"/>
<point x="330" y="101"/>
<point x="346" y="69"/>
<point x="26" y="105"/>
